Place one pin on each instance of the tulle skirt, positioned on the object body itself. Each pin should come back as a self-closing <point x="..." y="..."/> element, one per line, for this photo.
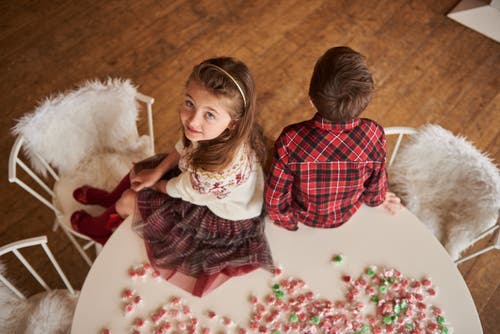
<point x="192" y="247"/>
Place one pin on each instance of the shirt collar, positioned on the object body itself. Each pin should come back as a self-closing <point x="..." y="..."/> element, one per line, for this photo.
<point x="323" y="123"/>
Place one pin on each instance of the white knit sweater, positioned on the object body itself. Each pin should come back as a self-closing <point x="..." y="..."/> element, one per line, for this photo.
<point x="235" y="193"/>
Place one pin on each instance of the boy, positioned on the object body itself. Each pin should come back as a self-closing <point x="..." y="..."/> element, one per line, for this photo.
<point x="324" y="168"/>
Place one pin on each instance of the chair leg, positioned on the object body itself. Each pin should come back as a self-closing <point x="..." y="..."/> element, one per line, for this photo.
<point x="457" y="262"/>
<point x="98" y="248"/>
<point x="55" y="226"/>
<point x="485" y="233"/>
<point x="496" y="245"/>
<point x="77" y="246"/>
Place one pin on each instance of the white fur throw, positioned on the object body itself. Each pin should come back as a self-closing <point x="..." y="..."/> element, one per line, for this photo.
<point x="451" y="186"/>
<point x="89" y="135"/>
<point x="47" y="312"/>
<point x="68" y="129"/>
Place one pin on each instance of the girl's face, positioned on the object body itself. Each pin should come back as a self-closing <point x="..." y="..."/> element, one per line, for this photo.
<point x="204" y="116"/>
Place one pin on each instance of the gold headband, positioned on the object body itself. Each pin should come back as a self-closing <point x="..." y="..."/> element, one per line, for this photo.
<point x="232" y="79"/>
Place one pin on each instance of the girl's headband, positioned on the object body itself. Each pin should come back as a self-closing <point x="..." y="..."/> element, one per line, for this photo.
<point x="220" y="69"/>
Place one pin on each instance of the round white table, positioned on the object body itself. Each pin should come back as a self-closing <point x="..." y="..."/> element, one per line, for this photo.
<point x="371" y="237"/>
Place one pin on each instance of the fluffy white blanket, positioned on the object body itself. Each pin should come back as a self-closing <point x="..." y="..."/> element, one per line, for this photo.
<point x="89" y="135"/>
<point x="47" y="312"/>
<point x="451" y="186"/>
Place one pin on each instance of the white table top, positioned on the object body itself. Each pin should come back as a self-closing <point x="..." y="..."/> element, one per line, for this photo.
<point x="371" y="237"/>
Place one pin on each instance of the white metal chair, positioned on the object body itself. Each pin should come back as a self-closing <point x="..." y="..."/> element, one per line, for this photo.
<point x="417" y="163"/>
<point x="400" y="132"/>
<point x="87" y="136"/>
<point x="42" y="311"/>
<point x="14" y="247"/>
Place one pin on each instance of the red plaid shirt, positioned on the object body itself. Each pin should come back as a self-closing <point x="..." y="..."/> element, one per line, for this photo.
<point x="322" y="172"/>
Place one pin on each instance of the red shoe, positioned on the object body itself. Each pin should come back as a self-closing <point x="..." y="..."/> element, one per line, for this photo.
<point x="113" y="222"/>
<point x="98" y="228"/>
<point x="84" y="223"/>
<point x="90" y="195"/>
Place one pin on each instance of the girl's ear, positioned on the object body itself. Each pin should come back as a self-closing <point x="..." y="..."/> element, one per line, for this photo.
<point x="232" y="124"/>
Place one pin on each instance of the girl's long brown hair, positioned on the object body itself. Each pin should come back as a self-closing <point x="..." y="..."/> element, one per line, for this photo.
<point x="215" y="154"/>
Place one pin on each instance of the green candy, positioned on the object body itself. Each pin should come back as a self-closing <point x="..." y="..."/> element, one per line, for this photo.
<point x="315" y="320"/>
<point x="385" y="281"/>
<point x="444" y="330"/>
<point x="440" y="320"/>
<point x="409" y="326"/>
<point x="365" y="329"/>
<point x="279" y="294"/>
<point x="294" y="318"/>
<point x="387" y="320"/>
<point x="397" y="308"/>
<point x="276" y="332"/>
<point x="338" y="258"/>
<point x="276" y="287"/>
<point x="382" y="289"/>
<point x="392" y="280"/>
<point x="404" y="304"/>
<point x="374" y="298"/>
<point x="370" y="272"/>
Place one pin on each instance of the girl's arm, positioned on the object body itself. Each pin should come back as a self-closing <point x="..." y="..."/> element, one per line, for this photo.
<point x="148" y="177"/>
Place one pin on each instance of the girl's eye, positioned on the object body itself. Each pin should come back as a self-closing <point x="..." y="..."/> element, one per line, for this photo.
<point x="189" y="104"/>
<point x="209" y="115"/>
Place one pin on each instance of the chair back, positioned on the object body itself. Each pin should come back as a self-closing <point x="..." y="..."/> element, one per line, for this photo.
<point x="16" y="161"/>
<point x="15" y="248"/>
<point x="400" y="132"/>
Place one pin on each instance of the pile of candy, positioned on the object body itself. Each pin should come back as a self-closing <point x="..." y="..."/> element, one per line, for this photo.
<point x="399" y="306"/>
<point x="379" y="300"/>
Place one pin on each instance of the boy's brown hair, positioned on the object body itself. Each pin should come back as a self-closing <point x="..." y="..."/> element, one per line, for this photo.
<point x="341" y="85"/>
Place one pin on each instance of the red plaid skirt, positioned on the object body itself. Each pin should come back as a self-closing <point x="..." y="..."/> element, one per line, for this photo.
<point x="192" y="247"/>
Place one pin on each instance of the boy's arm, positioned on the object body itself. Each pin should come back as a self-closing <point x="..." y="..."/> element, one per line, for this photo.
<point x="277" y="193"/>
<point x="376" y="186"/>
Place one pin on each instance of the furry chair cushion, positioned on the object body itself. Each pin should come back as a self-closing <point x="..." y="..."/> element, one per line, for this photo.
<point x="47" y="312"/>
<point x="451" y="186"/>
<point x="69" y="129"/>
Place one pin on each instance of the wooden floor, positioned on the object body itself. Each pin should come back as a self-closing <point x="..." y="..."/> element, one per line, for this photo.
<point x="427" y="69"/>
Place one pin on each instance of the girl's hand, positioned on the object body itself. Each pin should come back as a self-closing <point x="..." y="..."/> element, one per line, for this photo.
<point x="392" y="203"/>
<point x="160" y="186"/>
<point x="146" y="178"/>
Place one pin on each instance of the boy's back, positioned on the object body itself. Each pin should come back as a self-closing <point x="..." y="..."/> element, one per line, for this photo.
<point x="328" y="170"/>
<point x="325" y="168"/>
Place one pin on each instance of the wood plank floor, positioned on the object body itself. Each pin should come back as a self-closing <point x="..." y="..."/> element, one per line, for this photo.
<point x="427" y="69"/>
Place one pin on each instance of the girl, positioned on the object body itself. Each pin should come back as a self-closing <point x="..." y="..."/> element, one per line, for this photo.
<point x="200" y="221"/>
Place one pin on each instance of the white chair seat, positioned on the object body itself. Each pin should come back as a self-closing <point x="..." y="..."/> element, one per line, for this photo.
<point x="451" y="186"/>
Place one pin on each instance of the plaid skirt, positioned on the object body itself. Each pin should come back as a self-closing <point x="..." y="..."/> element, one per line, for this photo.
<point x="192" y="247"/>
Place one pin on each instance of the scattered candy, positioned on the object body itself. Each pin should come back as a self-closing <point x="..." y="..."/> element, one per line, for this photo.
<point x="398" y="305"/>
<point x="127" y="294"/>
<point x="338" y="259"/>
<point x="139" y="322"/>
<point x="128" y="308"/>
